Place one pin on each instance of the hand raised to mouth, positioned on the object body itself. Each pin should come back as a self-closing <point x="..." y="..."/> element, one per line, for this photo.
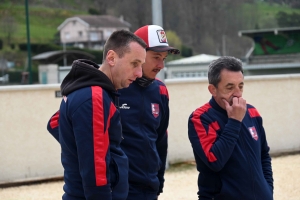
<point x="238" y="108"/>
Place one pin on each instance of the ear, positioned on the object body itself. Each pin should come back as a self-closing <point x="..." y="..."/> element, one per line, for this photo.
<point x="212" y="89"/>
<point x="110" y="57"/>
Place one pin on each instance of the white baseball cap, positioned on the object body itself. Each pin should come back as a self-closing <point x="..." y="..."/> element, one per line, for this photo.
<point x="155" y="38"/>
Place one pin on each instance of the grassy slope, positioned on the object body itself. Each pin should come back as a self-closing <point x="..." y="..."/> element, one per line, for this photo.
<point x="266" y="13"/>
<point x="44" y="21"/>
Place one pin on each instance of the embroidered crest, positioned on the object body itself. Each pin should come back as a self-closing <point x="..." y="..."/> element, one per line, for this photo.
<point x="155" y="109"/>
<point x="162" y="37"/>
<point x="253" y="132"/>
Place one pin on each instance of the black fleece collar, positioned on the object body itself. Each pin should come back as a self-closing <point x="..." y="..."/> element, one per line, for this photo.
<point x="85" y="73"/>
<point x="144" y="82"/>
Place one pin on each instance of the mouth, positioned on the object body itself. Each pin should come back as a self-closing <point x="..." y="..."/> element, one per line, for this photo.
<point x="229" y="101"/>
<point x="156" y="70"/>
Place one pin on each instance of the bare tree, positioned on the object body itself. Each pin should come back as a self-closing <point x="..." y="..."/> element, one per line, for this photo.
<point x="209" y="27"/>
<point x="136" y="12"/>
<point x="206" y="26"/>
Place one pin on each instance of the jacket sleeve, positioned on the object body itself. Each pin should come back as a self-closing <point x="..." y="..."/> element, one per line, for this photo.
<point x="53" y="126"/>
<point x="213" y="149"/>
<point x="265" y="157"/>
<point x="162" y="140"/>
<point x="90" y="128"/>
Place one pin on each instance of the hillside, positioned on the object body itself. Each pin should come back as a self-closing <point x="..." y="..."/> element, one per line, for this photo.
<point x="265" y="14"/>
<point x="199" y="29"/>
<point x="43" y="21"/>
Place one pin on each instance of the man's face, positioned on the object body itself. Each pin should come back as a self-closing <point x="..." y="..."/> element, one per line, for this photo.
<point x="129" y="67"/>
<point x="231" y="85"/>
<point x="154" y="63"/>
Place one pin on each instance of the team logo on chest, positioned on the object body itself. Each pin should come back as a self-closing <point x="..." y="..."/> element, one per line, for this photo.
<point x="155" y="109"/>
<point x="253" y="132"/>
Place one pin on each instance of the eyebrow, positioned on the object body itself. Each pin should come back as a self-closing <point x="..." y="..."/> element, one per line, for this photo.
<point x="231" y="84"/>
<point x="136" y="60"/>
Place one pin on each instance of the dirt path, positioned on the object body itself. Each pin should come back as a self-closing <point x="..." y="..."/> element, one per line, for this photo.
<point x="181" y="183"/>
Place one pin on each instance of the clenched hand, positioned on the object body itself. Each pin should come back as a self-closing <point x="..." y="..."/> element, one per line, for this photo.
<point x="238" y="108"/>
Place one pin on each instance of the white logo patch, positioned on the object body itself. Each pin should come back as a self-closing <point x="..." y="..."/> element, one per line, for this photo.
<point x="124" y="106"/>
<point x="162" y="36"/>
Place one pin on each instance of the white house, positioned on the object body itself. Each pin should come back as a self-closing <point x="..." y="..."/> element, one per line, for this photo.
<point x="90" y="31"/>
<point x="194" y="66"/>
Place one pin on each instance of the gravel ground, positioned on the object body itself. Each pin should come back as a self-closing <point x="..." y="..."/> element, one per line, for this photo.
<point x="181" y="183"/>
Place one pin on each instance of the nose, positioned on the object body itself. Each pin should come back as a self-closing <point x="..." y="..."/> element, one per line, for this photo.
<point x="138" y="72"/>
<point x="161" y="64"/>
<point x="238" y="92"/>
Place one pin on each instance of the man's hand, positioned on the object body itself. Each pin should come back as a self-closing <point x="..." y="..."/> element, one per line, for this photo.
<point x="238" y="108"/>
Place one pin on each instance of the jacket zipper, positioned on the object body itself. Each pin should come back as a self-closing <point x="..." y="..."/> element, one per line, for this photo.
<point x="251" y="170"/>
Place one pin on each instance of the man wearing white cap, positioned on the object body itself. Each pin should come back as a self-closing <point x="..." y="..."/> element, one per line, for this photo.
<point x="144" y="108"/>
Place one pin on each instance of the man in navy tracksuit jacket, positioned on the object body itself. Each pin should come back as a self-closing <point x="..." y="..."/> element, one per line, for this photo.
<point x="88" y="125"/>
<point x="144" y="108"/>
<point x="229" y="141"/>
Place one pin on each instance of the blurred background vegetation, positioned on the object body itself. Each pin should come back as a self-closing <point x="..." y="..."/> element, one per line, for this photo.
<point x="194" y="26"/>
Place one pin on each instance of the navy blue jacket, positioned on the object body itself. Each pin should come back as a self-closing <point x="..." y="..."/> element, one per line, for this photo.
<point x="232" y="156"/>
<point x="145" y="119"/>
<point x="89" y="131"/>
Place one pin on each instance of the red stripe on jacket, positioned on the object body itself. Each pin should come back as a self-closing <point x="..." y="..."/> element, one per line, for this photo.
<point x="253" y="112"/>
<point x="101" y="138"/>
<point x="163" y="90"/>
<point x="206" y="139"/>
<point x="54" y="120"/>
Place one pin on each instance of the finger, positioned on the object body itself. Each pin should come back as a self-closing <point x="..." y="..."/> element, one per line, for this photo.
<point x="235" y="100"/>
<point x="242" y="101"/>
<point x="226" y="103"/>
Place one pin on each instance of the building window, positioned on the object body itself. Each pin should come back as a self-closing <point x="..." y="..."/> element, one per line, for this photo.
<point x="67" y="35"/>
<point x="80" y="33"/>
<point x="74" y="23"/>
<point x="94" y="36"/>
<point x="189" y="74"/>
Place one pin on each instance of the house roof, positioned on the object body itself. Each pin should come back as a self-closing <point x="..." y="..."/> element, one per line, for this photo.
<point x="98" y="21"/>
<point x="197" y="59"/>
<point x="52" y="57"/>
<point x="274" y="41"/>
<point x="271" y="66"/>
<point x="274" y="30"/>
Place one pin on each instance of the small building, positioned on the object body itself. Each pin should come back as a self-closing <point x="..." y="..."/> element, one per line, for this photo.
<point x="273" y="51"/>
<point x="191" y="67"/>
<point x="49" y="70"/>
<point x="90" y="31"/>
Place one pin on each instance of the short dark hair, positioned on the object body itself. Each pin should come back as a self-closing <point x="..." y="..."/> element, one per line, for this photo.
<point x="224" y="62"/>
<point x="119" y="42"/>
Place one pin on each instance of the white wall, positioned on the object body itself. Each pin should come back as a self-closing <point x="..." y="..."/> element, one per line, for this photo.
<point x="275" y="96"/>
<point x="28" y="151"/>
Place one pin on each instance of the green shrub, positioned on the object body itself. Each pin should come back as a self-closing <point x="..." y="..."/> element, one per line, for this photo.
<point x="186" y="51"/>
<point x="97" y="53"/>
<point x="15" y="77"/>
<point x="39" y="48"/>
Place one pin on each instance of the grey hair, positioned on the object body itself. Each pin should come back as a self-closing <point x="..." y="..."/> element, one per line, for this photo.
<point x="225" y="62"/>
